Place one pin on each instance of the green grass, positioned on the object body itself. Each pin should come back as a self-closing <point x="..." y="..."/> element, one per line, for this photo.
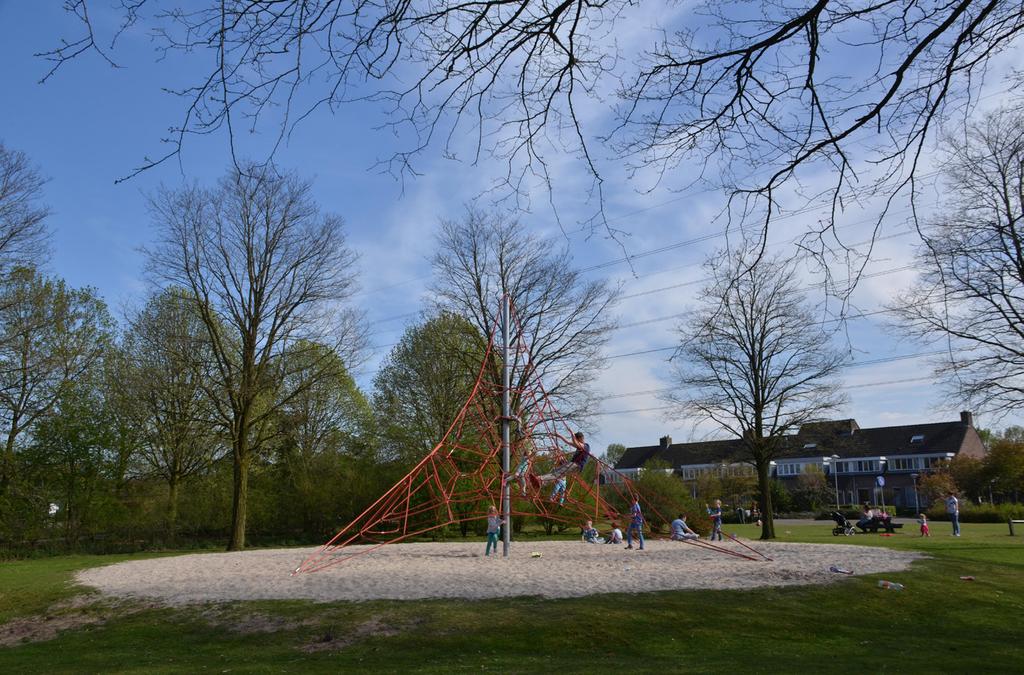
<point x="938" y="624"/>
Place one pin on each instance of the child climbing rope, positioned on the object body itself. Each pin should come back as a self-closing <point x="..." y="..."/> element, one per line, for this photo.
<point x="576" y="463"/>
<point x="521" y="474"/>
<point x="558" y="493"/>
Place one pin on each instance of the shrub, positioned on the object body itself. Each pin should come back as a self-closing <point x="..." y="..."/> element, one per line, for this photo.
<point x="979" y="513"/>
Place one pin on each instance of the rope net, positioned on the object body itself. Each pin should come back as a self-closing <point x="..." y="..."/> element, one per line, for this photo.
<point x="461" y="477"/>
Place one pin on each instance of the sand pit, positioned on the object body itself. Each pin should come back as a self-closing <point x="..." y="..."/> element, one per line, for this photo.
<point x="459" y="570"/>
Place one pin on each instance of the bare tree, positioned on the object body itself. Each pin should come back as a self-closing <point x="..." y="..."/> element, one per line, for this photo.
<point x="267" y="271"/>
<point x="562" y="319"/>
<point x="164" y="389"/>
<point x="752" y="92"/>
<point x="23" y="235"/>
<point x="970" y="293"/>
<point x="754" y="361"/>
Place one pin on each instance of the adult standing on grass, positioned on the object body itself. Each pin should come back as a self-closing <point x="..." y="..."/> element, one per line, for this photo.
<point x="953" y="509"/>
<point x="636" y="524"/>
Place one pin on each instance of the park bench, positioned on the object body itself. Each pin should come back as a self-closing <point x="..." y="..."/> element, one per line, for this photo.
<point x="1013" y="522"/>
<point x="876" y="524"/>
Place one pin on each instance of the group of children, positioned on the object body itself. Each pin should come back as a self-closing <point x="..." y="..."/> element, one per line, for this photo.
<point x="680" y="530"/>
<point x="558" y="475"/>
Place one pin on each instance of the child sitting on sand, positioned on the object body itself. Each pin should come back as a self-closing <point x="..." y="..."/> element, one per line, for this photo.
<point x="494" y="523"/>
<point x="922" y="520"/>
<point x="590" y="534"/>
<point x="615" y="537"/>
<point x="680" y="530"/>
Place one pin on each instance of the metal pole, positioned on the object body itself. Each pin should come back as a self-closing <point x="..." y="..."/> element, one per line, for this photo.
<point x="506" y="415"/>
<point x="835" y="478"/>
<point x="917" y="507"/>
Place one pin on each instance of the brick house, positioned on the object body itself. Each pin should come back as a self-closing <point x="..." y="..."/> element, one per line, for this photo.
<point x="853" y="459"/>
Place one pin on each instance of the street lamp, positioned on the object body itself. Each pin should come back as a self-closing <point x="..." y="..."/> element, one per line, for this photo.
<point x="917" y="507"/>
<point x="880" y="481"/>
<point x="835" y="476"/>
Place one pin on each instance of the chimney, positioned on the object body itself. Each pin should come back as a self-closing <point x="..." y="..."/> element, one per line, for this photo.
<point x="664" y="442"/>
<point x="966" y="418"/>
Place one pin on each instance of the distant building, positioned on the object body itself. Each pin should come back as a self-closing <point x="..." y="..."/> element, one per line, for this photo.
<point x="896" y="454"/>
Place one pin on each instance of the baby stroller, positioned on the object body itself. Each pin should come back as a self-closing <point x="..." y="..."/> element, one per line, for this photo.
<point x="843" y="526"/>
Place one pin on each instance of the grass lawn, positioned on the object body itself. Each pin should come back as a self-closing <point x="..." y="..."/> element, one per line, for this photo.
<point x="938" y="624"/>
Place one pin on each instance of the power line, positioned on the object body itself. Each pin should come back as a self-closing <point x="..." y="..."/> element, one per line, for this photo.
<point x="852" y="386"/>
<point x="857" y="364"/>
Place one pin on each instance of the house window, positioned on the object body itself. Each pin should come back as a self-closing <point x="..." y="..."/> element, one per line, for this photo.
<point x="867" y="465"/>
<point x="932" y="462"/>
<point x="689" y="474"/>
<point x="904" y="464"/>
<point x="791" y="469"/>
<point x="810" y="446"/>
<point x="917" y="438"/>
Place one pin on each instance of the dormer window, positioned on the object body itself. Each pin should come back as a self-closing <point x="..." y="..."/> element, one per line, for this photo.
<point x="917" y="438"/>
<point x="810" y="446"/>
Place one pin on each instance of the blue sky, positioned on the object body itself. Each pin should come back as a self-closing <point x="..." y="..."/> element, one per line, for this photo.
<point x="91" y="124"/>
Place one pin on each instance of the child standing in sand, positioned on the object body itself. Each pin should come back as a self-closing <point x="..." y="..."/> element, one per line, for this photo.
<point x="636" y="524"/>
<point x="494" y="523"/>
<point x="716" y="519"/>
<point x="922" y="520"/>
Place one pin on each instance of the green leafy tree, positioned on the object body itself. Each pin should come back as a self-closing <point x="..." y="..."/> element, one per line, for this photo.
<point x="167" y="380"/>
<point x="71" y="450"/>
<point x="811" y="490"/>
<point x="664" y="497"/>
<point x="324" y="430"/>
<point x="51" y="335"/>
<point x="934" y="486"/>
<point x="423" y="384"/>
<point x="614" y="453"/>
<point x="1004" y="463"/>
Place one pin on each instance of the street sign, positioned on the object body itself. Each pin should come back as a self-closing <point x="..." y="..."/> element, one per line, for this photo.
<point x="880" y="480"/>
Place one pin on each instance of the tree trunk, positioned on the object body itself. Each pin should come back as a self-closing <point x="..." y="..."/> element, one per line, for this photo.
<point x="7" y="468"/>
<point x="241" y="493"/>
<point x="765" y="488"/>
<point x="172" y="509"/>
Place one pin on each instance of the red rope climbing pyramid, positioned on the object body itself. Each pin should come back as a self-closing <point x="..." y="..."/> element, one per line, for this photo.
<point x="462" y="475"/>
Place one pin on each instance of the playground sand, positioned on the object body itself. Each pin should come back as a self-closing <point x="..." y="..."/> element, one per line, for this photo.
<point x="460" y="570"/>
